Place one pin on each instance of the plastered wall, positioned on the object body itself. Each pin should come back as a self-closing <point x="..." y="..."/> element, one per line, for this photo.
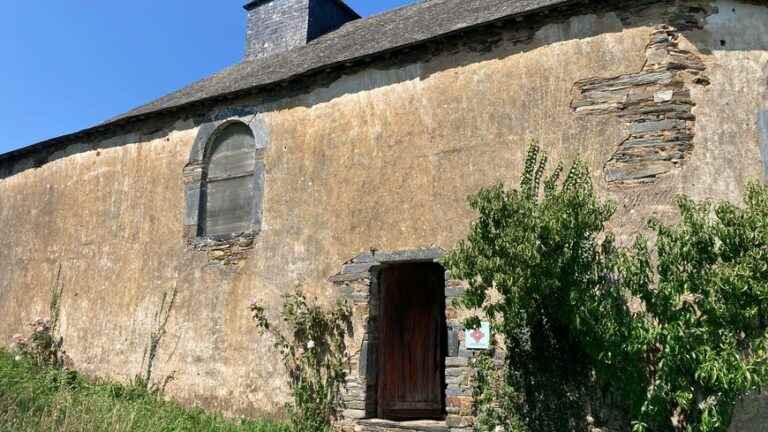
<point x="383" y="158"/>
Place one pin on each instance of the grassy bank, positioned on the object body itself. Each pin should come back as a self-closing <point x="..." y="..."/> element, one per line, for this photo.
<point x="35" y="400"/>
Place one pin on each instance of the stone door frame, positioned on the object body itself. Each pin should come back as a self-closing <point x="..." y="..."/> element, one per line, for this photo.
<point x="358" y="282"/>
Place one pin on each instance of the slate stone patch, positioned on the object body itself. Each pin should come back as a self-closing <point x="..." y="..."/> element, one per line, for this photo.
<point x="656" y="103"/>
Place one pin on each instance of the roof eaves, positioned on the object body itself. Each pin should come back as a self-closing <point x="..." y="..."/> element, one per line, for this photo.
<point x="125" y="120"/>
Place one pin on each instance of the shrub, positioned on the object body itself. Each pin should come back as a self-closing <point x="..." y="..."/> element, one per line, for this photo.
<point x="540" y="265"/>
<point x="528" y="258"/>
<point x="315" y="356"/>
<point x="705" y="321"/>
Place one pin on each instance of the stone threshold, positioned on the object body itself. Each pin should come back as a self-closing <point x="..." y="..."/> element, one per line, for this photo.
<point x="413" y="425"/>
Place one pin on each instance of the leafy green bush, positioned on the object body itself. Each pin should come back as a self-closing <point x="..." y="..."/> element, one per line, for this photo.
<point x="706" y="312"/>
<point x="39" y="399"/>
<point x="315" y="355"/>
<point x="597" y="334"/>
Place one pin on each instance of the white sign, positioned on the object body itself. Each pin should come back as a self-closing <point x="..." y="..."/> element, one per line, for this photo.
<point x="479" y="338"/>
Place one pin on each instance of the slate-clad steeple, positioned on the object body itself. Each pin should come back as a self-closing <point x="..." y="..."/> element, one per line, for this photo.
<point x="279" y="25"/>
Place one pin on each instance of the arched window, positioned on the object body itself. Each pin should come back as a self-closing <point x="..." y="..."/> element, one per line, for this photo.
<point x="229" y="186"/>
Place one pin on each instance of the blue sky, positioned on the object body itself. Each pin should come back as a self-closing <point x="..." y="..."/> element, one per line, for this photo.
<point x="67" y="65"/>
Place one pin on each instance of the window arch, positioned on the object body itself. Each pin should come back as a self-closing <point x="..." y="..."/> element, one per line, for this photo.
<point x="228" y="186"/>
<point x="224" y="180"/>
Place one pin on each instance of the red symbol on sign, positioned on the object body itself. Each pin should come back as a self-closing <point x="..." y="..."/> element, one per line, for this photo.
<point x="477" y="335"/>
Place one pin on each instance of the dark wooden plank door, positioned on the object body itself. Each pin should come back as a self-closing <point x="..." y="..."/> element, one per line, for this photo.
<point x="412" y="345"/>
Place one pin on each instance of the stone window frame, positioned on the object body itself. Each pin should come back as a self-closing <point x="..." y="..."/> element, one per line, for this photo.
<point x="194" y="178"/>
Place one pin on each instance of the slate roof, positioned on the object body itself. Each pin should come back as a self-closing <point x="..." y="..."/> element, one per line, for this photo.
<point x="359" y="39"/>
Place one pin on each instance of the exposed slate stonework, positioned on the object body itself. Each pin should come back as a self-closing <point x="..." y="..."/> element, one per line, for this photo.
<point x="656" y="104"/>
<point x="227" y="252"/>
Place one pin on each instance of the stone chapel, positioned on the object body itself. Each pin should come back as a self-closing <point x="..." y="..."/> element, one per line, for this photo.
<point x="336" y="157"/>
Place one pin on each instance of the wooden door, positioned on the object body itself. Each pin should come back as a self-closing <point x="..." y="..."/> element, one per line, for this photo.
<point x="412" y="344"/>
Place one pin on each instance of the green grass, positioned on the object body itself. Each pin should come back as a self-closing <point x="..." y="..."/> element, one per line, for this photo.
<point x="37" y="400"/>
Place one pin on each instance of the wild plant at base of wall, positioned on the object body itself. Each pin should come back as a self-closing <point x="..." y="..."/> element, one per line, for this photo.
<point x="314" y="353"/>
<point x="43" y="346"/>
<point x="600" y="337"/>
<point x="496" y="402"/>
<point x="143" y="380"/>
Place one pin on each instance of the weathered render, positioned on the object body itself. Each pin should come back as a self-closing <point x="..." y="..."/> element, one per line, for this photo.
<point x="366" y="163"/>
